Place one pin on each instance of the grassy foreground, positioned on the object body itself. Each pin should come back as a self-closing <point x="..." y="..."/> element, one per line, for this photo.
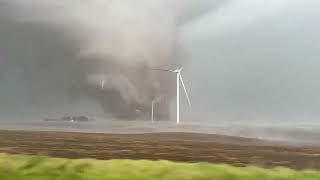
<point x="20" y="167"/>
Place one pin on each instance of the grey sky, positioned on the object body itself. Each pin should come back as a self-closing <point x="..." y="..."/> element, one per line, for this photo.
<point x="257" y="60"/>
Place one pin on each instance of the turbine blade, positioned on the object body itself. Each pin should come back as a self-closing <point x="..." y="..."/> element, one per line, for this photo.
<point x="185" y="90"/>
<point x="162" y="70"/>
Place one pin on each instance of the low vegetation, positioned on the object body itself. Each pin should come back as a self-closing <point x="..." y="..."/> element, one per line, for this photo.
<point x="22" y="167"/>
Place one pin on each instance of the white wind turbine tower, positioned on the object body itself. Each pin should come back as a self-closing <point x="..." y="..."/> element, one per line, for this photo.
<point x="179" y="78"/>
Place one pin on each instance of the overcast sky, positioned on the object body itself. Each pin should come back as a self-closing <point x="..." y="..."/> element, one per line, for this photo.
<point x="257" y="59"/>
<point x="248" y="59"/>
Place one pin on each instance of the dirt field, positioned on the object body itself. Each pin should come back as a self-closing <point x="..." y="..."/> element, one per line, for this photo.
<point x="185" y="147"/>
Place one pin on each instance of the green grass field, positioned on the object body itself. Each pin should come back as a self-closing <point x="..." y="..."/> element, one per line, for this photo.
<point x="20" y="167"/>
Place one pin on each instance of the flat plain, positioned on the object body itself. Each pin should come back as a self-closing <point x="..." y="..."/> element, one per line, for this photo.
<point x="180" y="147"/>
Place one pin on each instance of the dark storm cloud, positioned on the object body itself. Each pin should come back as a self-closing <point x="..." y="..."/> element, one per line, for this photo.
<point x="54" y="53"/>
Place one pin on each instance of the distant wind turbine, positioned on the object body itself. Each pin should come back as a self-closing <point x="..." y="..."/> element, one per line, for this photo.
<point x="152" y="107"/>
<point x="102" y="84"/>
<point x="179" y="78"/>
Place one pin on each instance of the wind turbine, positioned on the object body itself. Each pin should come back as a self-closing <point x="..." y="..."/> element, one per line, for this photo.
<point x="102" y="84"/>
<point x="152" y="107"/>
<point x="179" y="79"/>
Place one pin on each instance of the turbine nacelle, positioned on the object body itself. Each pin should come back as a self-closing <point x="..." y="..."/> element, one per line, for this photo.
<point x="178" y="70"/>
